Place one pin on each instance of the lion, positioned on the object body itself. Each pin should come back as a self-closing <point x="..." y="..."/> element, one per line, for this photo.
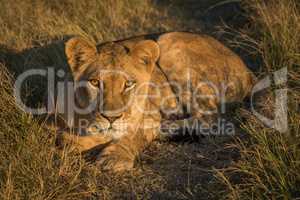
<point x="139" y="84"/>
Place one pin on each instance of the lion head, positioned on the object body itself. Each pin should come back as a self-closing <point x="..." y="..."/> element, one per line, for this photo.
<point x="111" y="83"/>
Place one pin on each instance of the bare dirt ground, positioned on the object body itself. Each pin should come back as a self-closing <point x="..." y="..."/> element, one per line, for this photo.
<point x="172" y="170"/>
<point x="181" y="168"/>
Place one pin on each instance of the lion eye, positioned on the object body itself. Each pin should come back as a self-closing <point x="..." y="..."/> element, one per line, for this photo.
<point x="129" y="85"/>
<point x="94" y="82"/>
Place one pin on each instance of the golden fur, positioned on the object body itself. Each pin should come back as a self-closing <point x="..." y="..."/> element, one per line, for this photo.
<point x="168" y="63"/>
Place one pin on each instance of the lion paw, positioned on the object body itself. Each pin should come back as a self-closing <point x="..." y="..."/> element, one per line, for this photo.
<point x="112" y="158"/>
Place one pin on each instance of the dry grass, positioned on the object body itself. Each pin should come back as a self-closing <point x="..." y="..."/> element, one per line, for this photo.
<point x="28" y="23"/>
<point x="270" y="161"/>
<point x="31" y="167"/>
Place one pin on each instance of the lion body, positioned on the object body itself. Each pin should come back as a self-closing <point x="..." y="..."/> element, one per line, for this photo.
<point x="145" y="82"/>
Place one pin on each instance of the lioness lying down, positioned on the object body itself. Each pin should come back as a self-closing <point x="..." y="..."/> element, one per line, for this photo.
<point x="138" y="84"/>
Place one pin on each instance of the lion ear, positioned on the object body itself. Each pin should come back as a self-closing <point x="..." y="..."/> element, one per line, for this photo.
<point x="147" y="51"/>
<point x="79" y="51"/>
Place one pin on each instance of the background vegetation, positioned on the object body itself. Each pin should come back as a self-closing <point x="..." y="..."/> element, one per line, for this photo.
<point x="270" y="161"/>
<point x="260" y="164"/>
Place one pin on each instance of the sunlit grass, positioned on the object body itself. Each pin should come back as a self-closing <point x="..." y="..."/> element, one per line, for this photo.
<point x="270" y="161"/>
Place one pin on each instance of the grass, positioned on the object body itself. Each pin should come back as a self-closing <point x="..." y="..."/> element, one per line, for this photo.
<point x="25" y="22"/>
<point x="31" y="167"/>
<point x="270" y="161"/>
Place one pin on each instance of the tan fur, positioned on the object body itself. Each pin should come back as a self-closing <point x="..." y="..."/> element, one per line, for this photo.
<point x="163" y="62"/>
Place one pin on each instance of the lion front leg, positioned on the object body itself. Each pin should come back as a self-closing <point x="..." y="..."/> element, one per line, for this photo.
<point x="121" y="155"/>
<point x="83" y="143"/>
<point x="194" y="125"/>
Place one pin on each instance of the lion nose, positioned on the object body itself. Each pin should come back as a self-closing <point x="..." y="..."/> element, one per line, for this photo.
<point x="112" y="118"/>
